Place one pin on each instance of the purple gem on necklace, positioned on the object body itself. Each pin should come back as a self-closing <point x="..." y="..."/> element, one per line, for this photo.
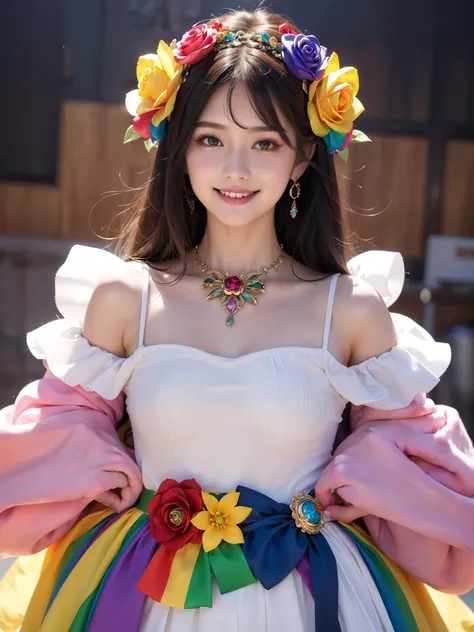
<point x="232" y="305"/>
<point x="233" y="283"/>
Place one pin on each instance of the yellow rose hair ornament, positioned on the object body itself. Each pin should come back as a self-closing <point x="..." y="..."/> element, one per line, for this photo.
<point x="332" y="91"/>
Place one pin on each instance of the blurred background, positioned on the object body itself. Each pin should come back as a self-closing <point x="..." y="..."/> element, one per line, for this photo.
<point x="67" y="64"/>
<point x="65" y="173"/>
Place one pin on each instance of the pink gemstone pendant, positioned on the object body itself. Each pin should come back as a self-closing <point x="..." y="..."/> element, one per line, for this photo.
<point x="233" y="283"/>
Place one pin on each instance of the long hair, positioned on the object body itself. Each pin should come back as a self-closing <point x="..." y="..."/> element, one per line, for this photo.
<point x="159" y="225"/>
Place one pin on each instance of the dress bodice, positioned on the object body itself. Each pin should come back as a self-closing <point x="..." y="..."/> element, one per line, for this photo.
<point x="266" y="420"/>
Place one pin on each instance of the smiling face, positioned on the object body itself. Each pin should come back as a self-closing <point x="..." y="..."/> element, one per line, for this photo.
<point x="238" y="173"/>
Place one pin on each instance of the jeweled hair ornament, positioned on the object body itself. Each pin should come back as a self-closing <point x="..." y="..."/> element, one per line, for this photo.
<point x="332" y="91"/>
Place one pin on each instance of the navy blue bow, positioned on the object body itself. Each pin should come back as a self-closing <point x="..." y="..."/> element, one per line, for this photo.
<point x="274" y="546"/>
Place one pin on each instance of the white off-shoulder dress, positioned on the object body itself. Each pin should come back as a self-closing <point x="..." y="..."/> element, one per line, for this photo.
<point x="197" y="415"/>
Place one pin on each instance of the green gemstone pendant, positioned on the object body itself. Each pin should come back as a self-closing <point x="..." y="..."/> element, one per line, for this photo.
<point x="216" y="293"/>
<point x="249" y="298"/>
<point x="230" y="321"/>
<point x="252" y="279"/>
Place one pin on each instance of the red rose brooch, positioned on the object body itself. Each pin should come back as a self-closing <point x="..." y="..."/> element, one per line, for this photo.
<point x="170" y="511"/>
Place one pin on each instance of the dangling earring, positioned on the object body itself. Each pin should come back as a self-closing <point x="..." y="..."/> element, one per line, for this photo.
<point x="294" y="193"/>
<point x="191" y="204"/>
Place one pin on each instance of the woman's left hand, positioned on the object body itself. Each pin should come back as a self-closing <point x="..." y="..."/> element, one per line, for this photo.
<point x="421" y="406"/>
<point x="372" y="474"/>
<point x="451" y="437"/>
<point x="371" y="471"/>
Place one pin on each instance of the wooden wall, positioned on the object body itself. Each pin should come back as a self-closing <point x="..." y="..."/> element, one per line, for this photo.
<point x="384" y="183"/>
<point x="458" y="218"/>
<point x="96" y="176"/>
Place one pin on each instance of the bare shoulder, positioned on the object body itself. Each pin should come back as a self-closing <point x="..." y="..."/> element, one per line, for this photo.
<point x="358" y="296"/>
<point x="113" y="312"/>
<point x="362" y="318"/>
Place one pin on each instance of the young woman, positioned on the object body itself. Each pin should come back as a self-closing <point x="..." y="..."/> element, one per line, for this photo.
<point x="235" y="401"/>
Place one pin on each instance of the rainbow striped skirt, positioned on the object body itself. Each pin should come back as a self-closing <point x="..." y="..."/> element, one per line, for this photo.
<point x="101" y="574"/>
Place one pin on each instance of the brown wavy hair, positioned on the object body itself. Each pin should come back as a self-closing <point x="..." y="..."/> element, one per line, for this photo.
<point x="159" y="226"/>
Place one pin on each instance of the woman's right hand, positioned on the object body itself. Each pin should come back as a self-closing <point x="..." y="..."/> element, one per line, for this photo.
<point x="120" y="496"/>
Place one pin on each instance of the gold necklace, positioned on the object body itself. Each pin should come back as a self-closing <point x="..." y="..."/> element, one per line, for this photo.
<point x="233" y="290"/>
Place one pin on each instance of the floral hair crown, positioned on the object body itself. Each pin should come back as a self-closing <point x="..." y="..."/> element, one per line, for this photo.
<point x="333" y="105"/>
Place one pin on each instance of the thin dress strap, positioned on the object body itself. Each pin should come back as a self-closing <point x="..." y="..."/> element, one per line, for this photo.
<point x="328" y="318"/>
<point x="144" y="306"/>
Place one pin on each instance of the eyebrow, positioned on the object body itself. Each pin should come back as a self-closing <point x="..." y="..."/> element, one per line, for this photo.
<point x="261" y="128"/>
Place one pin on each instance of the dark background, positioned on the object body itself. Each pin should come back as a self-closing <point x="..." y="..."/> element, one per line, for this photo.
<point x="415" y="58"/>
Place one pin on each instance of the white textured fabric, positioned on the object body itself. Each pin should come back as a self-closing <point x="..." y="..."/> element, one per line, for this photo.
<point x="266" y="420"/>
<point x="383" y="270"/>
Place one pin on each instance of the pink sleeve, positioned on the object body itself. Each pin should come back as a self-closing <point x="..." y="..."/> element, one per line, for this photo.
<point x="58" y="451"/>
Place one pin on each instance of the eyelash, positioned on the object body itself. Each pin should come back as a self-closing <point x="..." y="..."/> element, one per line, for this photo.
<point x="274" y="144"/>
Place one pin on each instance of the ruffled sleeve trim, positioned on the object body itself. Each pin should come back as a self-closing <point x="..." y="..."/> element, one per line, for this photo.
<point x="60" y="343"/>
<point x="413" y="366"/>
<point x="387" y="382"/>
<point x="72" y="359"/>
<point x="417" y="341"/>
<point x="76" y="280"/>
<point x="383" y="270"/>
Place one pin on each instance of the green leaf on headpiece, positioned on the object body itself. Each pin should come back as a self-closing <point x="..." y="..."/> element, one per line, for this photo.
<point x="130" y="135"/>
<point x="360" y="137"/>
<point x="344" y="154"/>
<point x="150" y="144"/>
